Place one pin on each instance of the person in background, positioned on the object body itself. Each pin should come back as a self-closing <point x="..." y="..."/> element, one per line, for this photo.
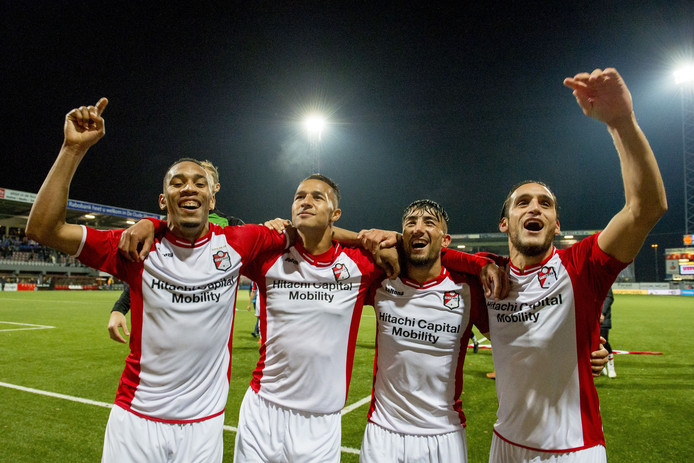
<point x="605" y="326"/>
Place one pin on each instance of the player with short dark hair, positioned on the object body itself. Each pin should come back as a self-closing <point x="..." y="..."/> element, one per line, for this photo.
<point x="424" y="320"/>
<point x="171" y="396"/>
<point x="117" y="321"/>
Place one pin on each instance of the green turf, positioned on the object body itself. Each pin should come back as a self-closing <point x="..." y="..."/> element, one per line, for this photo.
<point x="647" y="409"/>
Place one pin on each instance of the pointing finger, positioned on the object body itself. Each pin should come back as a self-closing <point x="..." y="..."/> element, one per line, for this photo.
<point x="101" y="105"/>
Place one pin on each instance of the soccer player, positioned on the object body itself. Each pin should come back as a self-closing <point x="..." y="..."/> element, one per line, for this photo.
<point x="543" y="331"/>
<point x="424" y="319"/>
<point x="117" y="322"/>
<point x="171" y="397"/>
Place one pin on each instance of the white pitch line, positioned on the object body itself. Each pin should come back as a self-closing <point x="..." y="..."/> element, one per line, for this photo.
<point x="32" y="326"/>
<point x="52" y="301"/>
<point x="27" y="329"/>
<point x="355" y="405"/>
<point x="106" y="405"/>
<point x="55" y="394"/>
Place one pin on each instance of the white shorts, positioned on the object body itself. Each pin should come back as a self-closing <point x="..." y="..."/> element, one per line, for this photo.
<point x="130" y="438"/>
<point x="503" y="452"/>
<point x="270" y="433"/>
<point x="381" y="445"/>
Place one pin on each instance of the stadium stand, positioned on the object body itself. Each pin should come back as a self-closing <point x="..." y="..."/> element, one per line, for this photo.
<point x="27" y="265"/>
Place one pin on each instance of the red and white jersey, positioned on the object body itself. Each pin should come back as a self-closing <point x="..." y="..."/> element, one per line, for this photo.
<point x="182" y="312"/>
<point x="310" y="308"/>
<point x="542" y="336"/>
<point x="421" y="343"/>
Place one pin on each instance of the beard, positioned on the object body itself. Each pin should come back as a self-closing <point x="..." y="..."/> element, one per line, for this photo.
<point x="534" y="249"/>
<point x="421" y="261"/>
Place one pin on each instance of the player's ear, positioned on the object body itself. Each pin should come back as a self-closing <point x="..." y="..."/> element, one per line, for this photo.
<point x="503" y="225"/>
<point x="162" y="202"/>
<point x="217" y="187"/>
<point x="558" y="230"/>
<point x="446" y="240"/>
<point x="335" y="215"/>
<point x="213" y="202"/>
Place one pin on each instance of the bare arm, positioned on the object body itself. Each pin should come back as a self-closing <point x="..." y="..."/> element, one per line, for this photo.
<point x="84" y="126"/>
<point x="604" y="96"/>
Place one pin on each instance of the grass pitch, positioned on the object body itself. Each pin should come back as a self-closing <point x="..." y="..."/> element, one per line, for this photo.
<point x="57" y="342"/>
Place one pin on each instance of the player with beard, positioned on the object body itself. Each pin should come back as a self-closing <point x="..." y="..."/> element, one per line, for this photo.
<point x="543" y="332"/>
<point x="424" y="320"/>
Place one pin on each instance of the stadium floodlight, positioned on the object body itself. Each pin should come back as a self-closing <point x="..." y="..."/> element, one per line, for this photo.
<point x="314" y="124"/>
<point x="685" y="74"/>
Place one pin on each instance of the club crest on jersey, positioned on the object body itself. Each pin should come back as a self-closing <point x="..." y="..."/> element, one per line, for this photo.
<point x="451" y="299"/>
<point x="222" y="260"/>
<point x="340" y="272"/>
<point x="546" y="276"/>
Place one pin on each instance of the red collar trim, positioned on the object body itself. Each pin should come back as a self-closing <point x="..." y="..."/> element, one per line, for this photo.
<point x="173" y="239"/>
<point x="322" y="260"/>
<point x="533" y="268"/>
<point x="426" y="284"/>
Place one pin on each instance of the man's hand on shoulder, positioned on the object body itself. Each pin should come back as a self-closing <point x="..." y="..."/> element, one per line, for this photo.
<point x="375" y="239"/>
<point x="495" y="281"/>
<point x="136" y="241"/>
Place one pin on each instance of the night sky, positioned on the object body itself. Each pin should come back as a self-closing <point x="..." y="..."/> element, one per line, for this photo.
<point x="455" y="104"/>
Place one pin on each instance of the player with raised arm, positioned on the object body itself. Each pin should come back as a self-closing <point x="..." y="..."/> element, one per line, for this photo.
<point x="171" y="397"/>
<point x="543" y="331"/>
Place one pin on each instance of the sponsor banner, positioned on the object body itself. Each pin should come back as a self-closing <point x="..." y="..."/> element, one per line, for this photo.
<point x="25" y="197"/>
<point x="10" y="286"/>
<point x="19" y="196"/>
<point x="625" y="286"/>
<point x="687" y="292"/>
<point x="665" y="292"/>
<point x="629" y="291"/>
<point x="687" y="269"/>
<point x="107" y="210"/>
<point x="26" y="287"/>
<point x="76" y="287"/>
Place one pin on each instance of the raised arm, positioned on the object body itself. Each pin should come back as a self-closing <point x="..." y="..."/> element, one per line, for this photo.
<point x="604" y="96"/>
<point x="84" y="126"/>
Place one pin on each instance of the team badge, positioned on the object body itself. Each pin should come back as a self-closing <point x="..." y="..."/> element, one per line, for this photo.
<point x="340" y="272"/>
<point x="546" y="276"/>
<point x="451" y="299"/>
<point x="222" y="260"/>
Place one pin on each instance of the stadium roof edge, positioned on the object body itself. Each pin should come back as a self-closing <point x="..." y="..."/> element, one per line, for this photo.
<point x="15" y="206"/>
